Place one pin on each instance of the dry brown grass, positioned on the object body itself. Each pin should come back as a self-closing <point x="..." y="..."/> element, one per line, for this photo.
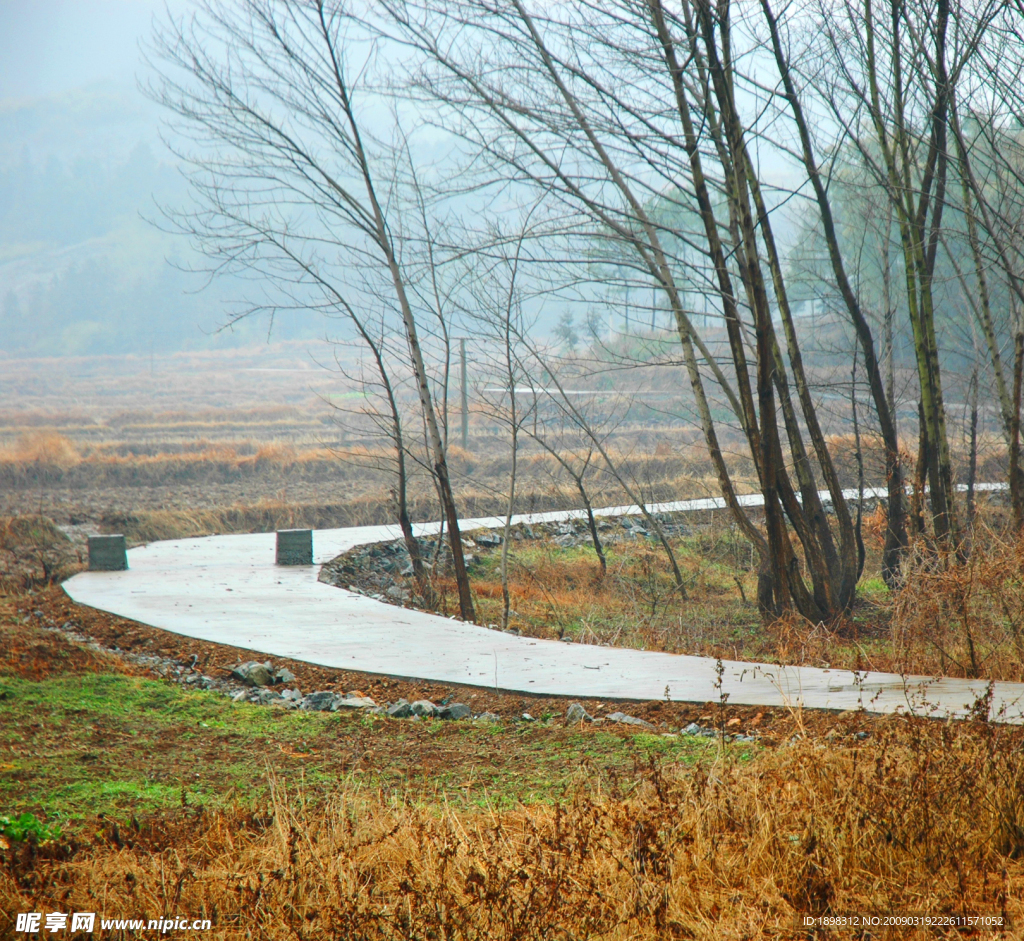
<point x="266" y="516"/>
<point x="42" y="449"/>
<point x="35" y="654"/>
<point x="925" y="818"/>
<point x="34" y="551"/>
<point x="962" y="618"/>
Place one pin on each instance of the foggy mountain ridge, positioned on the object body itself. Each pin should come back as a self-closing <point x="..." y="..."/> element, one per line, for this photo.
<point x="82" y="271"/>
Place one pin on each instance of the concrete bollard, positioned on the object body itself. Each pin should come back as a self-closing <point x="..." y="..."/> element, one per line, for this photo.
<point x="107" y="554"/>
<point x="294" y="547"/>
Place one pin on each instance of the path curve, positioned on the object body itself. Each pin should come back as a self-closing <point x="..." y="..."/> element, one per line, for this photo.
<point x="227" y="590"/>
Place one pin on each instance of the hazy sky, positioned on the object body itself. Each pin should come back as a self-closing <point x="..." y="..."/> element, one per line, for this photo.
<point x="53" y="46"/>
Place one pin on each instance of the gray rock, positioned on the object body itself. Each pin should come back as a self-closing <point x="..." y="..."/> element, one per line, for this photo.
<point x="489" y="540"/>
<point x="693" y="729"/>
<point x="567" y="541"/>
<point x="266" y="696"/>
<point x="396" y="593"/>
<point x="576" y="713"/>
<point x="528" y="718"/>
<point x="254" y="674"/>
<point x="353" y="702"/>
<point x="284" y="675"/>
<point x="623" y="719"/>
<point x="564" y="529"/>
<point x="400" y="710"/>
<point x="488" y="717"/>
<point x="240" y="695"/>
<point x="291" y="694"/>
<point x="320" y="702"/>
<point x="424" y="708"/>
<point x="456" y="710"/>
<point x="744" y="738"/>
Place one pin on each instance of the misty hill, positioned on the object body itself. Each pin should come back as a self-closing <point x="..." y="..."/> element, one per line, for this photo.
<point x="81" y="270"/>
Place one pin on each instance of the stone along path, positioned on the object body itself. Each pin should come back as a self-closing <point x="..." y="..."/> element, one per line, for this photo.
<point x="227" y="589"/>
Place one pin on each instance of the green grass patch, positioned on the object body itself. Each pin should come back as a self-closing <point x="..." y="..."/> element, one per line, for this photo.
<point x="873" y="587"/>
<point x="75" y="747"/>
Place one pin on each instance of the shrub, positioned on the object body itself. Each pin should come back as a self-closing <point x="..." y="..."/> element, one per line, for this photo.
<point x="963" y="618"/>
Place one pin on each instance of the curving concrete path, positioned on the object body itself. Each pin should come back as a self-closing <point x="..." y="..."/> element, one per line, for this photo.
<point x="227" y="589"/>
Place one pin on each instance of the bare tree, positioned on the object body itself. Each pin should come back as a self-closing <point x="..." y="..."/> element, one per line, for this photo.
<point x="498" y="310"/>
<point x="591" y="84"/>
<point x="389" y="422"/>
<point x="892" y="76"/>
<point x="286" y="171"/>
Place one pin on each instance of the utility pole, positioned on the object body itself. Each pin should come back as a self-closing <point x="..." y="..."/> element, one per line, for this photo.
<point x="465" y="396"/>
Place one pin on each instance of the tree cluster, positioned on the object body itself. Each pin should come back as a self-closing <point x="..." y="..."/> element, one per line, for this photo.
<point x="425" y="170"/>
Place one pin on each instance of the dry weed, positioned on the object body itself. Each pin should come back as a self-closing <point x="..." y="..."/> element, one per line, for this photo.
<point x="33" y="552"/>
<point x="42" y="449"/>
<point x="926" y="818"/>
<point x="962" y="618"/>
<point x="36" y="654"/>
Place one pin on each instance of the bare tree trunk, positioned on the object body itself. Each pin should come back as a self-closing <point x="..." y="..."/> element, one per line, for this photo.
<point x="972" y="468"/>
<point x="896" y="531"/>
<point x="919" y="242"/>
<point x="592" y="526"/>
<point x="412" y="546"/>
<point x="920" y="471"/>
<point x="437" y="447"/>
<point x="860" y="465"/>
<point x="888" y="348"/>
<point x="505" y="597"/>
<point x="1008" y="254"/>
<point x="577" y="478"/>
<point x="514" y="458"/>
<point x="1015" y="469"/>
